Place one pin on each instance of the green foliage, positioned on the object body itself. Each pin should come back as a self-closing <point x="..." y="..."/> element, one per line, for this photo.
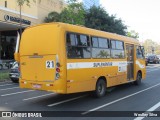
<point x="52" y="17"/>
<point x="133" y="34"/>
<point x="95" y="17"/>
<point x="73" y="14"/>
<point x="22" y="2"/>
<point x="71" y="1"/>
<point x="98" y="18"/>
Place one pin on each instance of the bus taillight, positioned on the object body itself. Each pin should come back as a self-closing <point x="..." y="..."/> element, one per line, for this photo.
<point x="57" y="75"/>
<point x="57" y="70"/>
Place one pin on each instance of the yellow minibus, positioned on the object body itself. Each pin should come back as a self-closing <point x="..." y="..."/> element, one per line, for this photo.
<point x="66" y="58"/>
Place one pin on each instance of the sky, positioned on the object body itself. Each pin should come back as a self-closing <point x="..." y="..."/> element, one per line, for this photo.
<point x="143" y="16"/>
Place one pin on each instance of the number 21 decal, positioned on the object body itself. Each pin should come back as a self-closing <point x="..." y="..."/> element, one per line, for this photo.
<point x="49" y="64"/>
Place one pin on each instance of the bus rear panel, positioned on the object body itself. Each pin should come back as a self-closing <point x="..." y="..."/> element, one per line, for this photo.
<point x="42" y="58"/>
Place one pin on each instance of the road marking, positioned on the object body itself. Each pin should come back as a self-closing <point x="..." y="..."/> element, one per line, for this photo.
<point x="38" y="96"/>
<point x="6" y="85"/>
<point x="64" y="101"/>
<point x="153" y="66"/>
<point x="149" y="111"/>
<point x="17" y="93"/>
<point x="102" y="106"/>
<point x="8" y="88"/>
<point x="6" y="82"/>
<point x="153" y="70"/>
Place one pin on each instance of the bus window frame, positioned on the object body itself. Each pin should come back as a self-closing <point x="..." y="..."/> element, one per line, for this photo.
<point x="143" y="56"/>
<point x="108" y="39"/>
<point x="70" y="32"/>
<point x="124" y="48"/>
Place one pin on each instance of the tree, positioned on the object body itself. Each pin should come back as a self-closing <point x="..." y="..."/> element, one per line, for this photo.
<point x="150" y="46"/>
<point x="20" y="4"/>
<point x="52" y="17"/>
<point x="98" y="18"/>
<point x="133" y="34"/>
<point x="73" y="13"/>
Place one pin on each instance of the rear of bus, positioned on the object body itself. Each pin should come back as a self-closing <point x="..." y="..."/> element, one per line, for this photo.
<point x="42" y="58"/>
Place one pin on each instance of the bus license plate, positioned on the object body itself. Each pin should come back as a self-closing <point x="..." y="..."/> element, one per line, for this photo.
<point x="37" y="86"/>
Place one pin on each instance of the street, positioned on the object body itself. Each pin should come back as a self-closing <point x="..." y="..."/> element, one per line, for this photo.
<point x="126" y="97"/>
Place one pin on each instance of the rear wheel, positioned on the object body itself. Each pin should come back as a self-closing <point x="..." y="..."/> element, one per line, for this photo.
<point x="100" y="88"/>
<point x="139" y="79"/>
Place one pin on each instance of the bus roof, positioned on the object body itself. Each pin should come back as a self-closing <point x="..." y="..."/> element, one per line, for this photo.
<point x="94" y="32"/>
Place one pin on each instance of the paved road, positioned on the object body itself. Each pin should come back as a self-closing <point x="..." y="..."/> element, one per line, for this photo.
<point x="127" y="97"/>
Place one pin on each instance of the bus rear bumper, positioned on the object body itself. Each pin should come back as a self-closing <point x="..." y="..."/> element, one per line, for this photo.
<point x="44" y="86"/>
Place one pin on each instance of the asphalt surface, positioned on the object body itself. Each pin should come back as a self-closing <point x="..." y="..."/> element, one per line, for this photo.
<point x="119" y="103"/>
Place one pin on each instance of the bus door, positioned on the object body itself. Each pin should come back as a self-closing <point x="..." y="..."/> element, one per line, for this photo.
<point x="130" y="61"/>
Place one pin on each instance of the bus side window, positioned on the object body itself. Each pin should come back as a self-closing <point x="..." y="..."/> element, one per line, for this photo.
<point x="78" y="46"/>
<point x="100" y="47"/>
<point x="117" y="49"/>
<point x="139" y="52"/>
<point x="71" y="41"/>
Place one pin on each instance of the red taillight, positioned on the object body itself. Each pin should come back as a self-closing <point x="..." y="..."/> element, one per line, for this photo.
<point x="57" y="70"/>
<point x="18" y="68"/>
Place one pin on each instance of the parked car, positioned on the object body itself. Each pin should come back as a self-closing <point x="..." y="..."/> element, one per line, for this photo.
<point x="9" y="64"/>
<point x="14" y="73"/>
<point x="158" y="56"/>
<point x="6" y="64"/>
<point x="1" y="65"/>
<point x="153" y="59"/>
<point x="146" y="61"/>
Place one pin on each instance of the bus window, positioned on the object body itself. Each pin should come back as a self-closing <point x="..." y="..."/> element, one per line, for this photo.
<point x="113" y="44"/>
<point x="119" y="45"/>
<point x="139" y="53"/>
<point x="103" y="43"/>
<point x="80" y="47"/>
<point x="94" y="42"/>
<point x="117" y="49"/>
<point x="100" y="47"/>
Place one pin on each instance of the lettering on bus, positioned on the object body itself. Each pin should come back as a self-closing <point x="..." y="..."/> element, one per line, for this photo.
<point x="102" y="64"/>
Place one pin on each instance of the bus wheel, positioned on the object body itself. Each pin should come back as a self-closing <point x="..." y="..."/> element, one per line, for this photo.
<point x="100" y="88"/>
<point x="139" y="78"/>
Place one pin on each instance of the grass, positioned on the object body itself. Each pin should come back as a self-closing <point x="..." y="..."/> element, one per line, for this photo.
<point x="4" y="75"/>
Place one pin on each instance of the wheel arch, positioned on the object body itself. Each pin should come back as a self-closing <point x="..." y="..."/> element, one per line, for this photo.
<point x="102" y="77"/>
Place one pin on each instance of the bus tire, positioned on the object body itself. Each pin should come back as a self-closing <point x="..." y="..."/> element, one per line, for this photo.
<point x="138" y="79"/>
<point x="100" y="88"/>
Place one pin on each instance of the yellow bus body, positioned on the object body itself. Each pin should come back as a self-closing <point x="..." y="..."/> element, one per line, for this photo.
<point x="47" y="42"/>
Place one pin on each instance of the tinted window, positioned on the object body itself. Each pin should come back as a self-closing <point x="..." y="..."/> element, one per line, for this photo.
<point x="117" y="49"/>
<point x="80" y="50"/>
<point x="83" y="40"/>
<point x="113" y="44"/>
<point x="139" y="52"/>
<point x="94" y="42"/>
<point x="71" y="39"/>
<point x="100" y="53"/>
<point x="103" y="43"/>
<point x="119" y="45"/>
<point x="117" y="54"/>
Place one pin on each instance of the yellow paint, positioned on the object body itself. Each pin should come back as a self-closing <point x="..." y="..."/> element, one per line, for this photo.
<point x="47" y="41"/>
